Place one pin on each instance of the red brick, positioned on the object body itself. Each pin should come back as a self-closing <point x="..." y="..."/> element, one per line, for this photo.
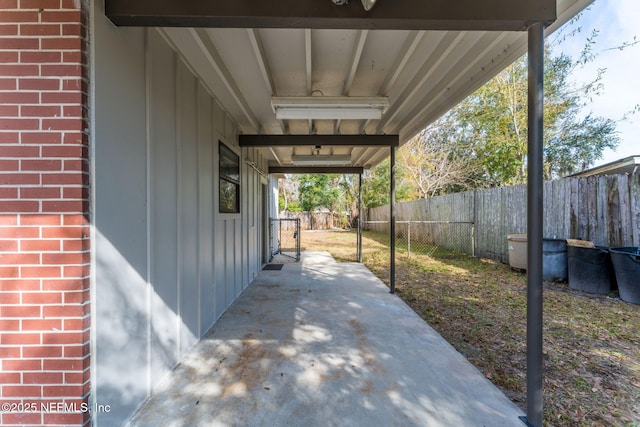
<point x="63" y="338"/>
<point x="40" y="4"/>
<point x="19" y="232"/>
<point x="23" y="418"/>
<point x="39" y="245"/>
<point x="8" y="219"/>
<point x="42" y="378"/>
<point x="63" y="151"/>
<point x="64" y="364"/>
<point x="64" y="179"/>
<point x="76" y="350"/>
<point x="18" y="151"/>
<point x="18" y="43"/>
<point x="40" y="165"/>
<point x="9" y="378"/>
<point x="61" y="98"/>
<point x="41" y="138"/>
<point x="20" y="206"/>
<point x="63" y="285"/>
<point x="8" y="245"/>
<point x="63" y="205"/>
<point x="76" y="245"/>
<point x="8" y="352"/>
<point x="69" y="4"/>
<point x="10" y="325"/>
<point x="40" y="57"/>
<point x="8" y="30"/>
<point x="61" y="16"/>
<point x="20" y="391"/>
<point x="42" y="352"/>
<point x="21" y="365"/>
<point x="14" y="17"/>
<point x="62" y="124"/>
<point x="40" y="29"/>
<point x="76" y="377"/>
<point x="65" y="418"/>
<point x="39" y="84"/>
<point x="17" y="179"/>
<point x="72" y="29"/>
<point x="9" y="298"/>
<point x="70" y="258"/>
<point x="8" y="84"/>
<point x="76" y="297"/>
<point x="73" y="57"/>
<point x="9" y="111"/>
<point x="73" y="324"/>
<point x="62" y="232"/>
<point x="76" y="271"/>
<point x="39" y="193"/>
<point x="41" y="324"/>
<point x="19" y="124"/>
<point x="18" y="98"/>
<point x="42" y="298"/>
<point x="40" y="111"/>
<point x="18" y="70"/>
<point x="40" y="272"/>
<point x="19" y="339"/>
<point x="8" y="193"/>
<point x="9" y="165"/>
<point x="75" y="193"/>
<point x="40" y="219"/>
<point x="73" y="111"/>
<point x="18" y="284"/>
<point x="74" y="138"/>
<point x="70" y="219"/>
<point x="72" y="84"/>
<point x="8" y="56"/>
<point x="63" y="310"/>
<point x="20" y="311"/>
<point x="19" y="258"/>
<point x="61" y="70"/>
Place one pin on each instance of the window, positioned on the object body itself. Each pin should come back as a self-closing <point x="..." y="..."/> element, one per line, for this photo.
<point x="229" y="180"/>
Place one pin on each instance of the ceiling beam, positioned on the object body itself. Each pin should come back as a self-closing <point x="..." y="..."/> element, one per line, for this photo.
<point x="317" y="169"/>
<point x="313" y="140"/>
<point x="503" y="15"/>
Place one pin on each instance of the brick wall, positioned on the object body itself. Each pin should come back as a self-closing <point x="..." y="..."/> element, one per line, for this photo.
<point x="44" y="226"/>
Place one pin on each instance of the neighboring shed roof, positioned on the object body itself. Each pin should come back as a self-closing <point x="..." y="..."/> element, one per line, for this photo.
<point x="626" y="165"/>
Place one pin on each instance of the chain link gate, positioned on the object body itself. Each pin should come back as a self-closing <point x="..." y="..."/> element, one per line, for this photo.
<point x="284" y="240"/>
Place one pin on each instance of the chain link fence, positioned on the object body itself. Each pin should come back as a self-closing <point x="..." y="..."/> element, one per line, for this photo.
<point x="428" y="237"/>
<point x="284" y="240"/>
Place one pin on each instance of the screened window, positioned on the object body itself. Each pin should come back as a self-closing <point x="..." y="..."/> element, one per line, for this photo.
<point x="229" y="180"/>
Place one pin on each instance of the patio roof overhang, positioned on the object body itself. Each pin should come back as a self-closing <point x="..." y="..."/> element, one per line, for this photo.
<point x="422" y="57"/>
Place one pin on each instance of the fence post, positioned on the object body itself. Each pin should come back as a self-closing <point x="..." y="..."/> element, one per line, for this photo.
<point x="473" y="239"/>
<point x="409" y="239"/>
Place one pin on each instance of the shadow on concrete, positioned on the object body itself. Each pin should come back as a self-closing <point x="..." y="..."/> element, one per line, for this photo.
<point x="324" y="343"/>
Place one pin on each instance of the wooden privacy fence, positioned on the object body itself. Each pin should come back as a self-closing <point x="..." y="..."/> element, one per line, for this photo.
<point x="317" y="220"/>
<point x="603" y="209"/>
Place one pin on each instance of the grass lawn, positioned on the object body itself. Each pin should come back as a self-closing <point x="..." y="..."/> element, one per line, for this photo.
<point x="591" y="342"/>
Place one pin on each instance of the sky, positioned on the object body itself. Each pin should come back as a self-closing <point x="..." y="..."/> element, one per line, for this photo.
<point x="614" y="20"/>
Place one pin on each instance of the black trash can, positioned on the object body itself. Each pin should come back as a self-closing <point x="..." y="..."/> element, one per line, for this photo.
<point x="554" y="260"/>
<point x="590" y="269"/>
<point x="626" y="264"/>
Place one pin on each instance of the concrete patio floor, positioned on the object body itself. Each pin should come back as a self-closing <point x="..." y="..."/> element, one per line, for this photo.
<point x="321" y="343"/>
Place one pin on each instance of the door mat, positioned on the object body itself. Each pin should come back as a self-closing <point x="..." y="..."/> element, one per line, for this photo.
<point x="273" y="267"/>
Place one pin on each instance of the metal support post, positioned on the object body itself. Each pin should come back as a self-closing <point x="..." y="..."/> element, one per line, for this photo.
<point x="359" y="255"/>
<point x="534" y="226"/>
<point x="392" y="221"/>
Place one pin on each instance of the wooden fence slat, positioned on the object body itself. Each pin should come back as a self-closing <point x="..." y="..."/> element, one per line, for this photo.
<point x="634" y="203"/>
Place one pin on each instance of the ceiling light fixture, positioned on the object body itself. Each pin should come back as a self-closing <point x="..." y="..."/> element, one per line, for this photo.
<point x="322" y="160"/>
<point x="329" y="107"/>
<point x="367" y="4"/>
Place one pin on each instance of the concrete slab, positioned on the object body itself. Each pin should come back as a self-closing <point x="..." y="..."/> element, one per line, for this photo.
<point x="321" y="343"/>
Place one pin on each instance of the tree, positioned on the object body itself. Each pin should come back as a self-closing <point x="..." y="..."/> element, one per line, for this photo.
<point x="376" y="185"/>
<point x="493" y="122"/>
<point x="319" y="191"/>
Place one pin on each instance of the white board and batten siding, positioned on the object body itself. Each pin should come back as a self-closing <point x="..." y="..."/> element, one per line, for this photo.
<point x="167" y="264"/>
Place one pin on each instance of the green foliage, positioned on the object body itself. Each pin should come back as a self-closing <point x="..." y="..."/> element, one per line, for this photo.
<point x="493" y="122"/>
<point x="319" y="191"/>
<point x="376" y="186"/>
